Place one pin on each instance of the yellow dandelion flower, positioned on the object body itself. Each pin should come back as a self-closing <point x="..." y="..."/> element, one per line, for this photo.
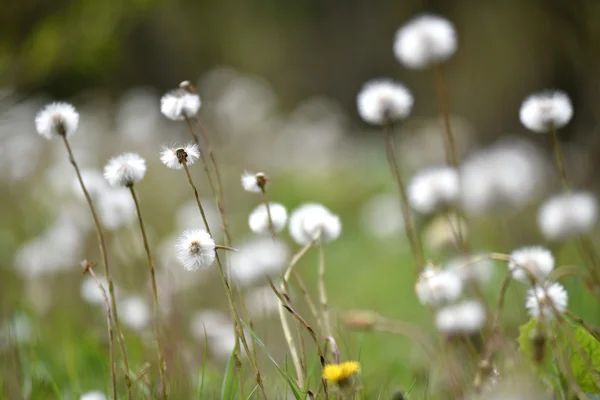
<point x="340" y="372"/>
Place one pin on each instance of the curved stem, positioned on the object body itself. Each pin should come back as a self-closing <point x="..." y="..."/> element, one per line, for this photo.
<point x="104" y="256"/>
<point x="161" y="359"/>
<point x="322" y="291"/>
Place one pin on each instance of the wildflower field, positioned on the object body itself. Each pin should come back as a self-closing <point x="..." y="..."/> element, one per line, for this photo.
<point x="205" y="244"/>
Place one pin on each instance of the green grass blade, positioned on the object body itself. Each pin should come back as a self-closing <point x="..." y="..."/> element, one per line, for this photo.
<point x="204" y="359"/>
<point x="228" y="388"/>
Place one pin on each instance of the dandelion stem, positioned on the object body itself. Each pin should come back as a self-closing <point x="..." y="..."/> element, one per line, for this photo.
<point x="560" y="162"/>
<point x="444" y="105"/>
<point x="409" y="225"/>
<point x="113" y="365"/>
<point x="322" y="291"/>
<point x="161" y="359"/>
<point x="237" y="321"/>
<point x="104" y="255"/>
<point x="268" y="207"/>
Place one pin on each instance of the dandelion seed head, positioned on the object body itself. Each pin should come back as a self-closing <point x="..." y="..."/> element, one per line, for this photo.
<point x="209" y="323"/>
<point x="465" y="317"/>
<point x="94" y="183"/>
<point x="170" y="155"/>
<point x="257" y="259"/>
<point x="480" y="271"/>
<point x="116" y="208"/>
<point x="57" y="119"/>
<point x="90" y="291"/>
<point x="540" y="112"/>
<point x="435" y="287"/>
<point x="254" y="182"/>
<point x="425" y="40"/>
<point x="338" y="373"/>
<point x="433" y="189"/>
<point x="124" y="170"/>
<point x="382" y="100"/>
<point x="567" y="215"/>
<point x="311" y="221"/>
<point x="533" y="261"/>
<point x="262" y="301"/>
<point x="93" y="395"/>
<point x="381" y="216"/>
<point x="134" y="312"/>
<point x="195" y="249"/>
<point x="259" y="218"/>
<point x="543" y="300"/>
<point x="180" y="104"/>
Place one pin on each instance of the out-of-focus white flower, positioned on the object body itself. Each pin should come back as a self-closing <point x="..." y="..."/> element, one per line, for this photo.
<point x="188" y="217"/>
<point x="540" y="112"/>
<point x="134" y="312"/>
<point x="441" y="232"/>
<point x="533" y="261"/>
<point x="507" y="175"/>
<point x="257" y="259"/>
<point x="312" y="221"/>
<point x="465" y="317"/>
<point x="480" y="271"/>
<point x="91" y="292"/>
<point x="125" y="170"/>
<point x="382" y="101"/>
<point x="179" y="104"/>
<point x="116" y="208"/>
<point x="217" y="328"/>
<point x="425" y="40"/>
<point x="93" y="395"/>
<point x="169" y="155"/>
<point x="434" y="188"/>
<point x="254" y="182"/>
<point x="567" y="215"/>
<point x="544" y="300"/>
<point x="436" y="287"/>
<point x="57" y="119"/>
<point x="195" y="249"/>
<point x="259" y="218"/>
<point x="94" y="183"/>
<point x="262" y="301"/>
<point x="381" y="215"/>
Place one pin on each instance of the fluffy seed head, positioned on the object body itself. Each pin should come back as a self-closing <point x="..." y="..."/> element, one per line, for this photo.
<point x="135" y="312"/>
<point x="259" y="218"/>
<point x="568" y="215"/>
<point x="255" y="183"/>
<point x="465" y="317"/>
<point x="179" y="104"/>
<point x="173" y="157"/>
<point x="539" y="112"/>
<point x="436" y="287"/>
<point x="57" y="119"/>
<point x="382" y="101"/>
<point x="124" y="170"/>
<point x="93" y="395"/>
<point x="257" y="259"/>
<point x="425" y="40"/>
<point x="311" y="221"/>
<point x="195" y="249"/>
<point x="533" y="261"/>
<point x="544" y="300"/>
<point x="433" y="189"/>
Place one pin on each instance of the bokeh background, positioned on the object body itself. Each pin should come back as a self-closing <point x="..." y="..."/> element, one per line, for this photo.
<point x="278" y="82"/>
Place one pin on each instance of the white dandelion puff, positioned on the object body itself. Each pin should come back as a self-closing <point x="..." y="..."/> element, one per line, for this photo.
<point x="259" y="218"/>
<point x="57" y="119"/>
<point x="436" y="287"/>
<point x="546" y="300"/>
<point x="195" y="249"/>
<point x="425" y="40"/>
<point x="257" y="259"/>
<point x="312" y="221"/>
<point x="94" y="183"/>
<point x="567" y="215"/>
<point x="90" y="291"/>
<point x="134" y="312"/>
<point x="540" y="112"/>
<point x="382" y="100"/>
<point x="179" y="104"/>
<point x="465" y="317"/>
<point x="527" y="262"/>
<point x="124" y="170"/>
<point x="170" y="156"/>
<point x="433" y="189"/>
<point x="93" y="395"/>
<point x="254" y="182"/>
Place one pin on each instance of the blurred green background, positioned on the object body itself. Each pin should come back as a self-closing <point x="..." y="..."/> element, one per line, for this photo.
<point x="96" y="53"/>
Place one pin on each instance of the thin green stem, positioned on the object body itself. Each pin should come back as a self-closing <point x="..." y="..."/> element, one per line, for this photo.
<point x="161" y="359"/>
<point x="409" y="225"/>
<point x="268" y="207"/>
<point x="104" y="256"/>
<point x="444" y="105"/>
<point x="322" y="290"/>
<point x="113" y="364"/>
<point x="560" y="162"/>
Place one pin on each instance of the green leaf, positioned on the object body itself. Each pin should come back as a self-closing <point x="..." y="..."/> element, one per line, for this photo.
<point x="591" y="348"/>
<point x="229" y="386"/>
